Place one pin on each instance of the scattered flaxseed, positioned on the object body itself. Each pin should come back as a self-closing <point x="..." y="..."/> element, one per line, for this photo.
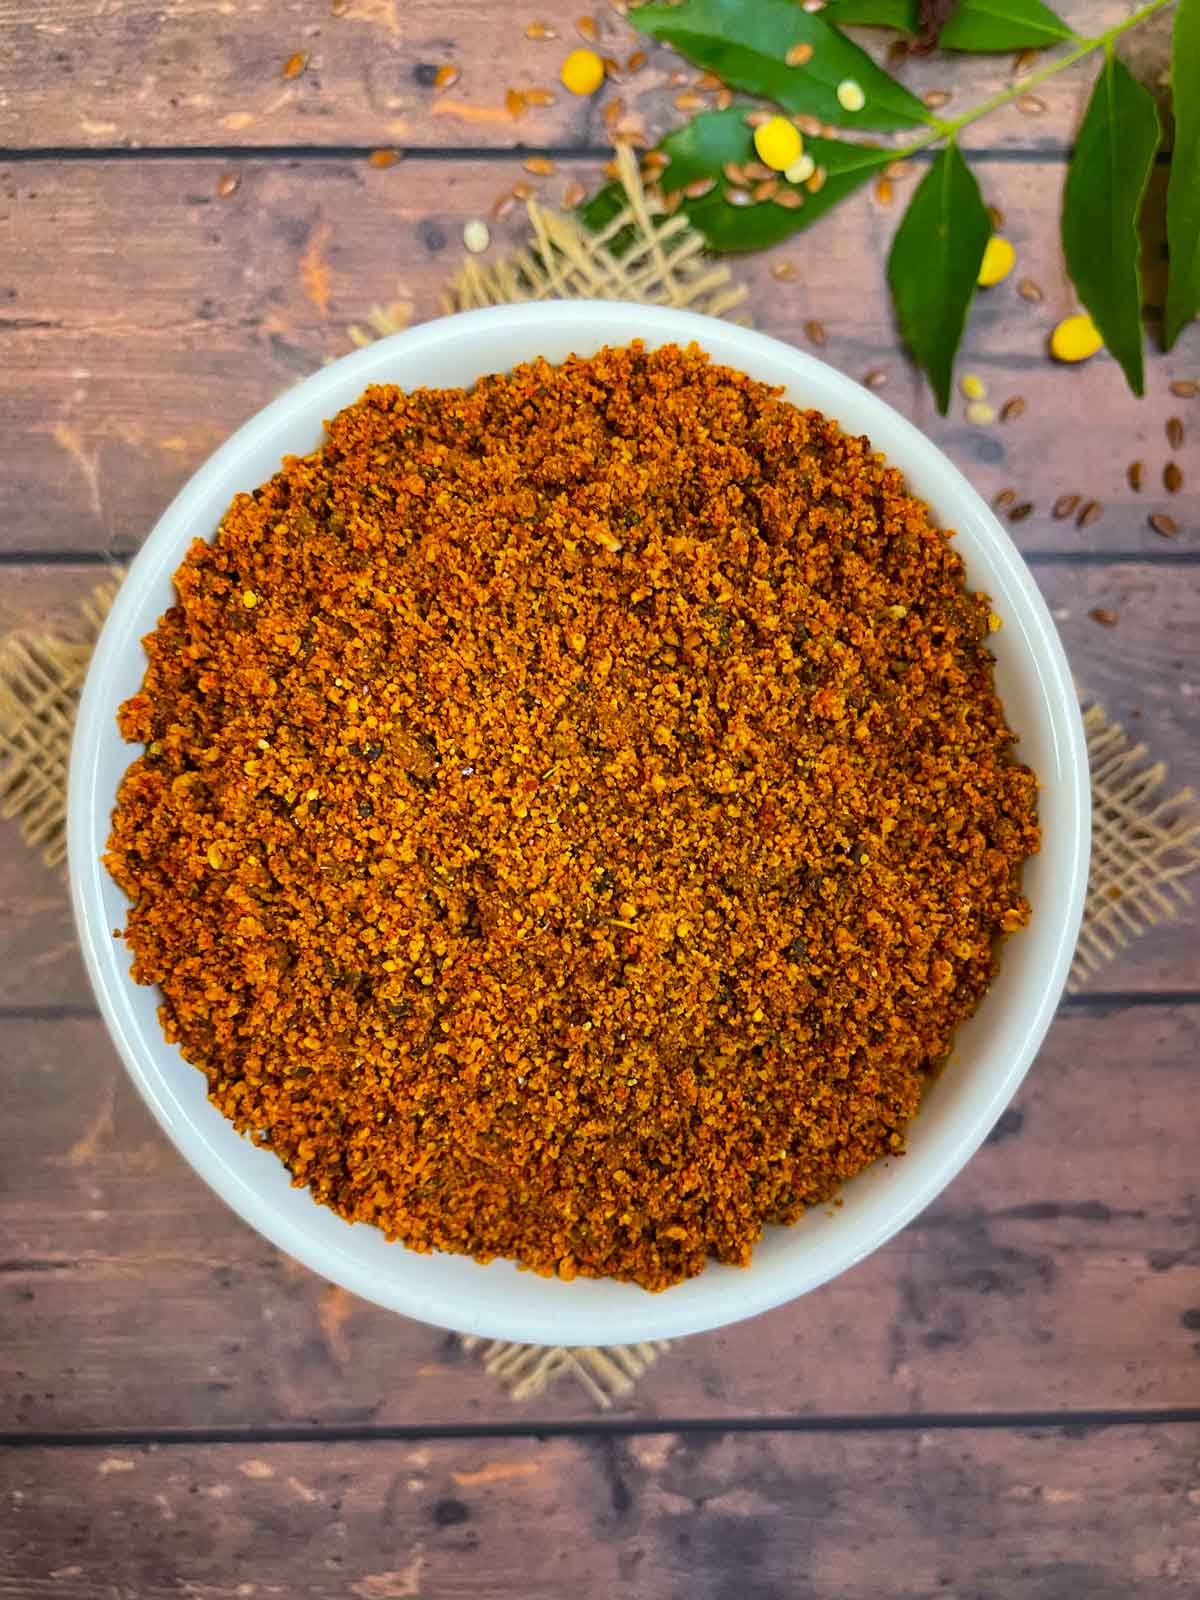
<point x="1136" y="473"/>
<point x="1023" y="62"/>
<point x="295" y="64"/>
<point x="815" y="331"/>
<point x="540" y="166"/>
<point x="655" y="161"/>
<point x="1019" y="513"/>
<point x="699" y="187"/>
<point x="898" y="170"/>
<point x="1012" y="409"/>
<point x="515" y="103"/>
<point x="935" y="99"/>
<point x="1174" y="432"/>
<point x="1029" y="290"/>
<point x="522" y="190"/>
<point x="689" y="100"/>
<point x="815" y="182"/>
<point x="1065" y="506"/>
<point x="446" y="76"/>
<point x="539" y="30"/>
<point x="502" y="206"/>
<point x="724" y="99"/>
<point x="476" y="237"/>
<point x="734" y="174"/>
<point x="997" y="216"/>
<point x="637" y="60"/>
<point x="757" y="171"/>
<point x="897" y="52"/>
<point x="789" y="199"/>
<point x="1163" y="524"/>
<point x="1005" y="498"/>
<point x="884" y="193"/>
<point x="875" y="379"/>
<point x="784" y="271"/>
<point x="539" y="97"/>
<point x="1031" y="105"/>
<point x="383" y="158"/>
<point x="227" y="184"/>
<point x="766" y="190"/>
<point x="799" y="54"/>
<point x="1172" y="477"/>
<point x="574" y="195"/>
<point x="1104" y="616"/>
<point x="613" y="112"/>
<point x="738" y="197"/>
<point x="587" y="29"/>
<point x="1089" y="513"/>
<point x="1185" y="388"/>
<point x="758" y="119"/>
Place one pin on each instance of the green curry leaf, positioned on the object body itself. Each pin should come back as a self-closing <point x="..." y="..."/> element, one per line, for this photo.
<point x="974" y="25"/>
<point x="934" y="265"/>
<point x="746" y="45"/>
<point x="1183" y="192"/>
<point x="1106" y="180"/>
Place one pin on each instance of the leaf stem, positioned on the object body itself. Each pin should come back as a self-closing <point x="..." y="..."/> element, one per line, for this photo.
<point x="1084" y="47"/>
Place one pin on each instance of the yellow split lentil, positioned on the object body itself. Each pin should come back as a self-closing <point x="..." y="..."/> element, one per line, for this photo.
<point x="588" y="845"/>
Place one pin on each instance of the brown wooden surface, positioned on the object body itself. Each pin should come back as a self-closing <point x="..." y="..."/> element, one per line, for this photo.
<point x="1047" y="1515"/>
<point x="189" y="1413"/>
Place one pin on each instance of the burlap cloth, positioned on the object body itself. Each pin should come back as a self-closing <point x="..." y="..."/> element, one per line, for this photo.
<point x="1145" y="845"/>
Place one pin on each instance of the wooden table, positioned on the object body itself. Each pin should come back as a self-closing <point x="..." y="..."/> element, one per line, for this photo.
<point x="1006" y="1399"/>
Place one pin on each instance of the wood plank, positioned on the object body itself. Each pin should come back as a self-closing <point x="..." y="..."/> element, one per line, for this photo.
<point x="199" y="73"/>
<point x="1052" y="1515"/>
<point x="1144" y="670"/>
<point x="1060" y="1271"/>
<point x="124" y="369"/>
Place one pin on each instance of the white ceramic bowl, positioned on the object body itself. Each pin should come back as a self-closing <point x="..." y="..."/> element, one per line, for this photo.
<point x="992" y="1053"/>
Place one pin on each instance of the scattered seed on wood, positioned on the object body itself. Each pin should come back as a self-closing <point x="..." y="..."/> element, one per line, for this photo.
<point x="709" y="81"/>
<point x="540" y="166"/>
<point x="383" y="158"/>
<point x="1012" y="409"/>
<point x="502" y="206"/>
<point x="1024" y="61"/>
<point x="587" y="29"/>
<point x="897" y="52"/>
<point x="515" y="103"/>
<point x="338" y="8"/>
<point x="936" y="99"/>
<point x="610" y="169"/>
<point x="1090" y="513"/>
<point x="539" y="97"/>
<point x="227" y="184"/>
<point x="672" y="202"/>
<point x="897" y="171"/>
<point x="612" y="68"/>
<point x="522" y="191"/>
<point x="1028" y="290"/>
<point x="884" y="193"/>
<point x="1174" y="432"/>
<point x="655" y="161"/>
<point x="724" y="99"/>
<point x="1031" y="105"/>
<point x="739" y="197"/>
<point x="613" y="112"/>
<point x="1019" y="513"/>
<point x="876" y="378"/>
<point x="539" y="30"/>
<point x="1104" y="616"/>
<point x="446" y="76"/>
<point x="799" y="54"/>
<point x="476" y="237"/>
<point x="1136" y="473"/>
<point x="1006" y="497"/>
<point x="1185" y="388"/>
<point x="574" y="195"/>
<point x="784" y="271"/>
<point x="1065" y="506"/>
<point x="815" y="330"/>
<point x="295" y="64"/>
<point x="1164" y="524"/>
<point x="637" y="60"/>
<point x="789" y="199"/>
<point x="997" y="216"/>
<point x="689" y="100"/>
<point x="816" y="183"/>
<point x="1172" y="477"/>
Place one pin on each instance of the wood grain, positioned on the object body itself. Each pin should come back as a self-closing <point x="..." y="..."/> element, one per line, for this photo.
<point x="1060" y="1271"/>
<point x="201" y="73"/>
<point x="1050" y="1515"/>
<point x="109" y="400"/>
<point x="1144" y="670"/>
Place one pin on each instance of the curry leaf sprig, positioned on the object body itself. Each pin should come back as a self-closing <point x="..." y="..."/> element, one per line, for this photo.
<point x="801" y="62"/>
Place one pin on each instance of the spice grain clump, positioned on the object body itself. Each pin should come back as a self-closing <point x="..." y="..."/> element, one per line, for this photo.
<point x="576" y="813"/>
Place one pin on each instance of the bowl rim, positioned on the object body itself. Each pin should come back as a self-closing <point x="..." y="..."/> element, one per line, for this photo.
<point x="651" y="1317"/>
